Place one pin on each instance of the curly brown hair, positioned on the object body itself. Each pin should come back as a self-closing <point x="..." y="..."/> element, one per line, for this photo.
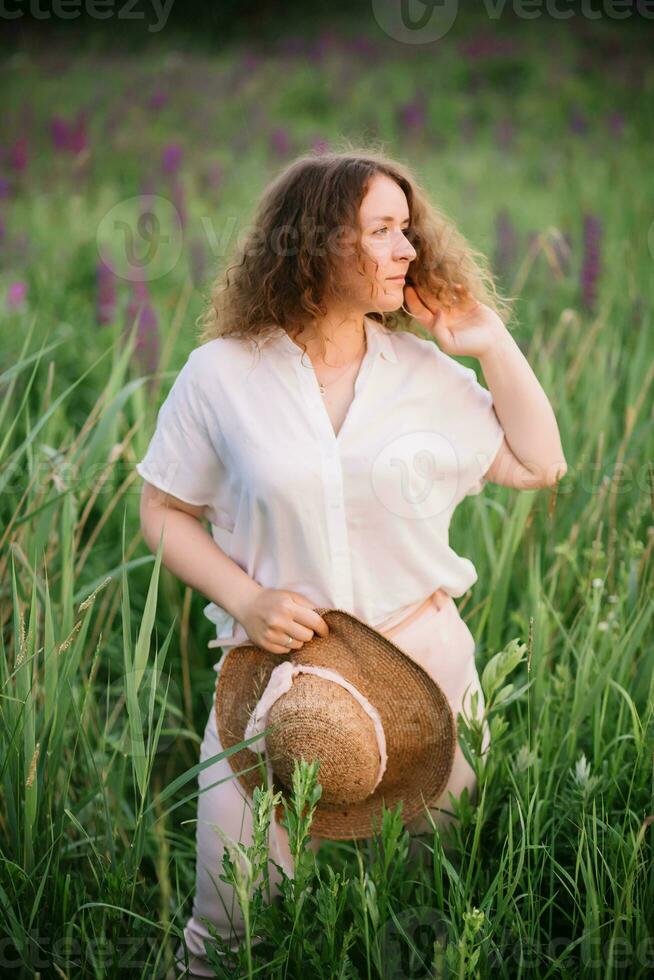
<point x="288" y="266"/>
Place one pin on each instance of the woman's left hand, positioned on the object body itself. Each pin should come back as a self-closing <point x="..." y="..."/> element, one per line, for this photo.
<point x="467" y="330"/>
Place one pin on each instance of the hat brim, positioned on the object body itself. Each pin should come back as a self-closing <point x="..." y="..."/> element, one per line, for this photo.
<point x="419" y="725"/>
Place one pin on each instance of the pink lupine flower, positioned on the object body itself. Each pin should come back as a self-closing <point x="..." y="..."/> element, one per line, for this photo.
<point x="139" y="297"/>
<point x="146" y="348"/>
<point x="171" y="158"/>
<point x="361" y="45"/>
<point x="320" y="145"/>
<point x="616" y="123"/>
<point x="78" y="137"/>
<point x="158" y="100"/>
<point x="578" y="122"/>
<point x="59" y="131"/>
<point x="141" y="317"/>
<point x="4" y="187"/>
<point x="280" y="141"/>
<point x="70" y="137"/>
<point x="590" y="269"/>
<point x="19" y="155"/>
<point x="16" y="295"/>
<point x="106" y="294"/>
<point x="413" y="115"/>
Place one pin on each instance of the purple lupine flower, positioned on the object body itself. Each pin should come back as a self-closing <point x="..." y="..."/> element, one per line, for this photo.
<point x="158" y="100"/>
<point x="60" y="133"/>
<point x="146" y="348"/>
<point x="506" y="242"/>
<point x="106" y="294"/>
<point x="590" y="269"/>
<point x="139" y="298"/>
<point x="578" y="122"/>
<point x="279" y="140"/>
<point x="70" y="137"/>
<point x="320" y="145"/>
<point x="141" y="318"/>
<point x="78" y="135"/>
<point x="361" y="45"/>
<point x="16" y="295"/>
<point x="19" y="155"/>
<point x="616" y="123"/>
<point x="171" y="158"/>
<point x="413" y="115"/>
<point x="5" y="187"/>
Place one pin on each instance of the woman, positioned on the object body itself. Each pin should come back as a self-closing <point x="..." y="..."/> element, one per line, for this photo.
<point x="330" y="465"/>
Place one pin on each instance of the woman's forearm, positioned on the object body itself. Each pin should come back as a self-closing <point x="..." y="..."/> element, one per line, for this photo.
<point x="191" y="554"/>
<point x="522" y="406"/>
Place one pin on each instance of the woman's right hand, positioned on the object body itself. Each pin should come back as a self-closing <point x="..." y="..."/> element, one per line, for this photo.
<point x="275" y="614"/>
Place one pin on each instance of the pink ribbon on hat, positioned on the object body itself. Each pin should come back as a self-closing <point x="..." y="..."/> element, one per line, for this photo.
<point x="281" y="681"/>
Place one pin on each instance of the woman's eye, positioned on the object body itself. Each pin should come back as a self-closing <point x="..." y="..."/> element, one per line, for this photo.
<point x="405" y="231"/>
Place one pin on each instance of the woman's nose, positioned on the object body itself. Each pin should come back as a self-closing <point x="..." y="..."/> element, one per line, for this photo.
<point x="404" y="248"/>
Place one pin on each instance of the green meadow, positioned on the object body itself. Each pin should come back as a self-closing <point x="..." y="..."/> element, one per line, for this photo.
<point x="534" y="139"/>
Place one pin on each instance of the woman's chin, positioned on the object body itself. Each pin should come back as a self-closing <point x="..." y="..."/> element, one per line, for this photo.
<point x="391" y="302"/>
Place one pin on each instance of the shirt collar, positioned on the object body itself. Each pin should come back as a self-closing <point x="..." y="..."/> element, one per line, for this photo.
<point x="378" y="339"/>
<point x="377" y="334"/>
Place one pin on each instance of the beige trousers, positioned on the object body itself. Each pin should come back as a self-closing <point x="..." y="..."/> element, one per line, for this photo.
<point x="437" y="638"/>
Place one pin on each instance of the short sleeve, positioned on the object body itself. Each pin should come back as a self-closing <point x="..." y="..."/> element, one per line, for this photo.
<point x="183" y="455"/>
<point x="473" y="426"/>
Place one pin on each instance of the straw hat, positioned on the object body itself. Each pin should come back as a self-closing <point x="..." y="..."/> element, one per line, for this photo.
<point x="382" y="728"/>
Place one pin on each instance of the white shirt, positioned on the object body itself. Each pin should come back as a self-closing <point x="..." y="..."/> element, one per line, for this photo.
<point x="356" y="521"/>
